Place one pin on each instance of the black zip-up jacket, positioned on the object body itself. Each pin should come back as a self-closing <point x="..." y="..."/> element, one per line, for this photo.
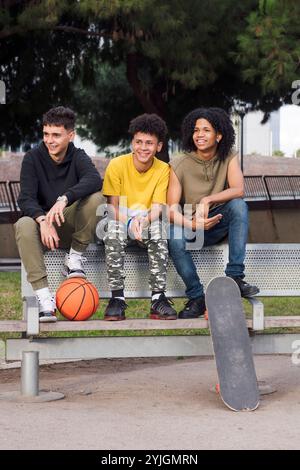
<point x="42" y="180"/>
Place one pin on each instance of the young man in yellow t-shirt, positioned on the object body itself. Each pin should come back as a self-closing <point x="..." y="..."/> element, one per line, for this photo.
<point x="136" y="188"/>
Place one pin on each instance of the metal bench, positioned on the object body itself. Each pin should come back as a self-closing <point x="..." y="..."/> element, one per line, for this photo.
<point x="281" y="187"/>
<point x="255" y="189"/>
<point x="14" y="191"/>
<point x="6" y="204"/>
<point x="275" y="268"/>
<point x="9" y="210"/>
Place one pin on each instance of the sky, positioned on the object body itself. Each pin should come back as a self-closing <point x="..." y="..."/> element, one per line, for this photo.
<point x="289" y="129"/>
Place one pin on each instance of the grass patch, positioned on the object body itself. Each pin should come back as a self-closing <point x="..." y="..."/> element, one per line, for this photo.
<point x="11" y="309"/>
<point x="276" y="306"/>
<point x="10" y="296"/>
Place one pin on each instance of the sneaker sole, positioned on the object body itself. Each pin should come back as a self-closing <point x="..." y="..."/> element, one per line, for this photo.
<point x="154" y="316"/>
<point x="114" y="318"/>
<point x="191" y="318"/>
<point x="70" y="276"/>
<point x="47" y="320"/>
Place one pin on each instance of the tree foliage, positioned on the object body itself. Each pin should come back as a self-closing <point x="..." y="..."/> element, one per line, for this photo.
<point x="105" y="105"/>
<point x="112" y="59"/>
<point x="269" y="49"/>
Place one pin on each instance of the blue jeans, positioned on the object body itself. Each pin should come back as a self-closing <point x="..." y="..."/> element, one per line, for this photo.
<point x="234" y="224"/>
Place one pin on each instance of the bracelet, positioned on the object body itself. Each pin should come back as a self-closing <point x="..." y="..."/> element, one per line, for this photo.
<point x="129" y="221"/>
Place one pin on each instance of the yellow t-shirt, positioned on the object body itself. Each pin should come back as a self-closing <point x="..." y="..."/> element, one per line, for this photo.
<point x="137" y="191"/>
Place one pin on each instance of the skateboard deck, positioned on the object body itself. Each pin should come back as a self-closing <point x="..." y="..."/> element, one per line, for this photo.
<point x="231" y="344"/>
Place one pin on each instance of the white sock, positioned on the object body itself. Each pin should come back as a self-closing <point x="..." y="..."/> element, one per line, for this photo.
<point x="43" y="293"/>
<point x="156" y="296"/>
<point x="46" y="300"/>
<point x="77" y="254"/>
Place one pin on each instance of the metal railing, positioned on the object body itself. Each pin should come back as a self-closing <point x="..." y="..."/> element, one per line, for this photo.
<point x="5" y="199"/>
<point x="14" y="191"/>
<point x="283" y="187"/>
<point x="257" y="188"/>
<point x="9" y="210"/>
<point x="272" y="187"/>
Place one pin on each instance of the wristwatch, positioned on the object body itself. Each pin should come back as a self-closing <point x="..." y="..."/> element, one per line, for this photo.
<point x="42" y="219"/>
<point x="63" y="198"/>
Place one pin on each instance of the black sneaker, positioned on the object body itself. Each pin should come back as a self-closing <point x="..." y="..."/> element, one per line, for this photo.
<point x="194" y="308"/>
<point x="246" y="289"/>
<point x="161" y="309"/>
<point x="115" y="310"/>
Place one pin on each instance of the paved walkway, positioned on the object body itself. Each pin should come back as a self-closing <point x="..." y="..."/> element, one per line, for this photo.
<point x="150" y="404"/>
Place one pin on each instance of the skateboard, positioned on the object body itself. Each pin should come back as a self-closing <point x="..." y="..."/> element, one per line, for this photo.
<point x="237" y="378"/>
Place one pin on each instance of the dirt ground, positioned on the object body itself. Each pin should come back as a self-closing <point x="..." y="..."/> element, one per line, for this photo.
<point x="160" y="403"/>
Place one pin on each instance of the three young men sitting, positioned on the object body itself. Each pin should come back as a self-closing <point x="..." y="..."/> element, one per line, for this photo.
<point x="60" y="194"/>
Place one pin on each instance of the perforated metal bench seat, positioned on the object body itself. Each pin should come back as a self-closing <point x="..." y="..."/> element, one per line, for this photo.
<point x="275" y="268"/>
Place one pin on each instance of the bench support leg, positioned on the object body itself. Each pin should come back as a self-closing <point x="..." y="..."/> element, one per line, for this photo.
<point x="31" y="315"/>
<point x="30" y="374"/>
<point x="30" y="383"/>
<point x="258" y="323"/>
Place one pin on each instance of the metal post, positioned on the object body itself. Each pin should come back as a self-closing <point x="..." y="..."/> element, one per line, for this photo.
<point x="30" y="373"/>
<point x="242" y="141"/>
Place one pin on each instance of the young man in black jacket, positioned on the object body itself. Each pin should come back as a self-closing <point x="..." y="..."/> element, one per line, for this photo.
<point x="60" y="193"/>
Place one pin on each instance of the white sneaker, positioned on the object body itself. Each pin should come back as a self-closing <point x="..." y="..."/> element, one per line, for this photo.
<point x="47" y="309"/>
<point x="73" y="265"/>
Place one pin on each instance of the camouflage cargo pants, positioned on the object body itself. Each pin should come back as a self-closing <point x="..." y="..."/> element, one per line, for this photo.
<point x="116" y="240"/>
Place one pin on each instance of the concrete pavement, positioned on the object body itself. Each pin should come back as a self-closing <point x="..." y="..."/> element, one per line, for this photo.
<point x="156" y="403"/>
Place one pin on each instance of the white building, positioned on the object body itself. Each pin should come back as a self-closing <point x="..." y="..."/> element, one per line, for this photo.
<point x="280" y="132"/>
<point x="87" y="145"/>
<point x="259" y="138"/>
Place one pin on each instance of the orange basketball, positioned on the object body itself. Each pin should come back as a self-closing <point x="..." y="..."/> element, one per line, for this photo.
<point x="77" y="299"/>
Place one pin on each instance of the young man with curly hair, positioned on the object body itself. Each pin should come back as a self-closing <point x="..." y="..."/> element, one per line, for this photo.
<point x="208" y="178"/>
<point x="136" y="188"/>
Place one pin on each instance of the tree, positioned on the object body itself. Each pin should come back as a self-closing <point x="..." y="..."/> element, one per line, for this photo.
<point x="105" y="105"/>
<point x="34" y="82"/>
<point x="269" y="49"/>
<point x="164" y="57"/>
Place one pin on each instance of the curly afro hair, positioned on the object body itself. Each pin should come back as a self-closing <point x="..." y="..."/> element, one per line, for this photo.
<point x="219" y="120"/>
<point x="149" y="124"/>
